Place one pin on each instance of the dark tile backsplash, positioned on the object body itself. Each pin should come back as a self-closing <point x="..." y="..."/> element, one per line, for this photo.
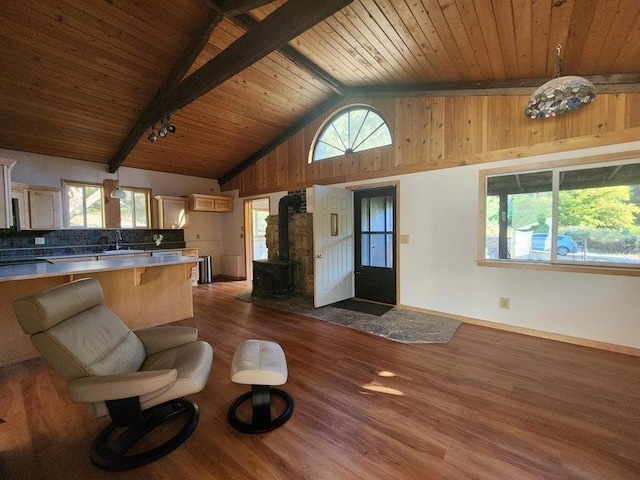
<point x="72" y="242"/>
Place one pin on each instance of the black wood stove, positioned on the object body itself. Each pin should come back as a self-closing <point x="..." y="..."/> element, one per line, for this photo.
<point x="274" y="278"/>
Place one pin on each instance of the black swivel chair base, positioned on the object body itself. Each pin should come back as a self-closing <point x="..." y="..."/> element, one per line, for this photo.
<point x="261" y="421"/>
<point x="109" y="450"/>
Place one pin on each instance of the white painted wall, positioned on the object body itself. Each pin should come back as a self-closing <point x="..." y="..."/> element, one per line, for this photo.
<point x="205" y="228"/>
<point x="438" y="270"/>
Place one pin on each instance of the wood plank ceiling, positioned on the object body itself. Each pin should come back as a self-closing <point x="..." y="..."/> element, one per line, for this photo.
<point x="76" y="75"/>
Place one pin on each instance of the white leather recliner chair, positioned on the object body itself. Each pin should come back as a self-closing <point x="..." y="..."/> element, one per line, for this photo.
<point x="138" y="378"/>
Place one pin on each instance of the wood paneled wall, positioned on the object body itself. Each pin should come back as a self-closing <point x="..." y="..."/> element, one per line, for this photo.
<point x="441" y="132"/>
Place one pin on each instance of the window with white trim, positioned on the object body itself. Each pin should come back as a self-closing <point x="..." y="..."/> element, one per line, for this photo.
<point x="568" y="214"/>
<point x="85" y="205"/>
<point x="352" y="129"/>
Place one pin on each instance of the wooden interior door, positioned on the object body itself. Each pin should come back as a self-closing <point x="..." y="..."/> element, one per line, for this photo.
<point x="332" y="244"/>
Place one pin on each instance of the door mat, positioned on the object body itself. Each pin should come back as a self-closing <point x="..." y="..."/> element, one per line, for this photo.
<point x="363" y="307"/>
<point x="399" y="325"/>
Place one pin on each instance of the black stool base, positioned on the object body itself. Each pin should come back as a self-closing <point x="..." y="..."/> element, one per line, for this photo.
<point x="109" y="448"/>
<point x="261" y="421"/>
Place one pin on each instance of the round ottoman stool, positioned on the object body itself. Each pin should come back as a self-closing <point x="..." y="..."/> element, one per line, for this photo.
<point x="261" y="364"/>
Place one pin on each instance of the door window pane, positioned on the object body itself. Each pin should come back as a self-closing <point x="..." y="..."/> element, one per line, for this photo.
<point x="389" y="213"/>
<point x="378" y="250"/>
<point x="377" y="231"/>
<point x="364" y="208"/>
<point x="378" y="214"/>
<point x="364" y="245"/>
<point x="389" y="252"/>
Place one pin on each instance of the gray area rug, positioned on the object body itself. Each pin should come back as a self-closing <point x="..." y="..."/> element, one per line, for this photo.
<point x="397" y="324"/>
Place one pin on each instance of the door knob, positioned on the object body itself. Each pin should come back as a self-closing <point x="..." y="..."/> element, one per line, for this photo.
<point x="318" y="256"/>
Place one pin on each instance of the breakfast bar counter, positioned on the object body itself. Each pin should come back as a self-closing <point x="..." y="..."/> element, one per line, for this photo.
<point x="143" y="291"/>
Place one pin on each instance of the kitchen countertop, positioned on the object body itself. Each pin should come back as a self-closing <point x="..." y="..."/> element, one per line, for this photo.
<point x="46" y="269"/>
<point x="103" y="253"/>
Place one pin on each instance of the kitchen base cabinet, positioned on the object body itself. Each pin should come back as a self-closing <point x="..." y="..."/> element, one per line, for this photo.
<point x="195" y="271"/>
<point x="167" y="285"/>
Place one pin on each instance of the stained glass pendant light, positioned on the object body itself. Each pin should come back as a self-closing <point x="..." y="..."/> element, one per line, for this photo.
<point x="560" y="94"/>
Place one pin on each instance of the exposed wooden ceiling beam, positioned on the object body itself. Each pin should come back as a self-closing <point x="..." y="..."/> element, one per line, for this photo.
<point x="282" y="137"/>
<point x="191" y="53"/>
<point x="175" y="76"/>
<point x="231" y="8"/>
<point x="284" y="24"/>
<point x="247" y="23"/>
<point x="616" y="83"/>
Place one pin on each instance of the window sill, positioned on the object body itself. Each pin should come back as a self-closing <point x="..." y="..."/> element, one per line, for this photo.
<point x="558" y="267"/>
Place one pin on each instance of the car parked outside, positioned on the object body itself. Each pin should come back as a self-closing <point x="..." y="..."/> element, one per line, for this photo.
<point x="542" y="241"/>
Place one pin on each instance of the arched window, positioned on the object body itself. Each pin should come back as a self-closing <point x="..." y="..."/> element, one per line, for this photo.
<point x="353" y="129"/>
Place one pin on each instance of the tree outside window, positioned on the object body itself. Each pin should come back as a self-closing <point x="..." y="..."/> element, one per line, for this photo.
<point x="85" y="206"/>
<point x="595" y="219"/>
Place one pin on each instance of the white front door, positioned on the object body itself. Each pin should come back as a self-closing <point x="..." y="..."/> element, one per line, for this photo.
<point x="332" y="244"/>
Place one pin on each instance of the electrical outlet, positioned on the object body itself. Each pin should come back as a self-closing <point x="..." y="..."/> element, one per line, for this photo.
<point x="39" y="241"/>
<point x="505" y="303"/>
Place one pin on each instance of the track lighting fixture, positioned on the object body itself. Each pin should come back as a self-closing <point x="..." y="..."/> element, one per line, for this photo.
<point x="166" y="124"/>
<point x="165" y="127"/>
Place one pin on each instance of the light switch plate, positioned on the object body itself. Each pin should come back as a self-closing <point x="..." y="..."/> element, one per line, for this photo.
<point x="405" y="239"/>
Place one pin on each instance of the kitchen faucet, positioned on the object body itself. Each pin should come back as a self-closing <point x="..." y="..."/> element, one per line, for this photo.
<point x="118" y="240"/>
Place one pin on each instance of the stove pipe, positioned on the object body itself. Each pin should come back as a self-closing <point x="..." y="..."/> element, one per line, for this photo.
<point x="294" y="201"/>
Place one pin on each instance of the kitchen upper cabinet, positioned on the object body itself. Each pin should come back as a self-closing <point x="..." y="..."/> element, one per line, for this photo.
<point x="210" y="203"/>
<point x="45" y="208"/>
<point x="5" y="192"/>
<point x="172" y="212"/>
<point x="39" y="208"/>
<point x="21" y="193"/>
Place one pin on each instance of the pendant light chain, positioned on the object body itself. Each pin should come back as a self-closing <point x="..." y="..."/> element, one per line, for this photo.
<point x="558" y="69"/>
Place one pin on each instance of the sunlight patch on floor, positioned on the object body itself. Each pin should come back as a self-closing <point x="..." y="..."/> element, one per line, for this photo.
<point x="376" y="387"/>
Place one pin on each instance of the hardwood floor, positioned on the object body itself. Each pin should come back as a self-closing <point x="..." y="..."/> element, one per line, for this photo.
<point x="487" y="405"/>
